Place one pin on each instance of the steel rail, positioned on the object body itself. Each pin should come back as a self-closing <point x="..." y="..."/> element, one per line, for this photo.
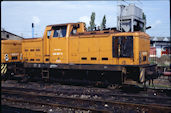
<point x="149" y="106"/>
<point x="56" y="105"/>
<point x="107" y="94"/>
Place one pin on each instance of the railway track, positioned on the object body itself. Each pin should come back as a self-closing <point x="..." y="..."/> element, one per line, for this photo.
<point x="108" y="95"/>
<point x="100" y="104"/>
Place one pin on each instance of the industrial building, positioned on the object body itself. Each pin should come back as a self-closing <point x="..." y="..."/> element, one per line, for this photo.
<point x="159" y="45"/>
<point x="5" y="35"/>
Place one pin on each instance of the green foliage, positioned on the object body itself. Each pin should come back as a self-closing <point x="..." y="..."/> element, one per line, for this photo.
<point x="103" y="24"/>
<point x="144" y="16"/>
<point x="92" y="21"/>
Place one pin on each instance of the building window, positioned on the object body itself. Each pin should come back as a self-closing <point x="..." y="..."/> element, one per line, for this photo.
<point x="7" y="35"/>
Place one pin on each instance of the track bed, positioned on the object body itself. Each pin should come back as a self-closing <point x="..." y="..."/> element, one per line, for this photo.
<point x="85" y="98"/>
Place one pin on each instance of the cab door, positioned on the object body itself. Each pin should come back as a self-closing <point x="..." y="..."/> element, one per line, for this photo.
<point x="59" y="45"/>
<point x="122" y="49"/>
<point x="46" y="49"/>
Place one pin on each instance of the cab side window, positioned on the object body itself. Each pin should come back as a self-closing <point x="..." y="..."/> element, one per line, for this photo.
<point x="60" y="31"/>
<point x="74" y="29"/>
<point x="48" y="34"/>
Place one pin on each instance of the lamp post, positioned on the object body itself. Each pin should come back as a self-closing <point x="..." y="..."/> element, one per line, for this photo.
<point x="32" y="30"/>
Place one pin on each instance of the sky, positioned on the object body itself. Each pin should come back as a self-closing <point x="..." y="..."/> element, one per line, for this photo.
<point x="17" y="16"/>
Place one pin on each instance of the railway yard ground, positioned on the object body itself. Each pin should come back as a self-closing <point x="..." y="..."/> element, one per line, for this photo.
<point x="162" y="83"/>
<point x="36" y="97"/>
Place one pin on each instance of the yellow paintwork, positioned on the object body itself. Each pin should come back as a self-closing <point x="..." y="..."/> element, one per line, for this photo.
<point x="11" y="48"/>
<point x="101" y="46"/>
<point x="32" y="49"/>
<point x="71" y="49"/>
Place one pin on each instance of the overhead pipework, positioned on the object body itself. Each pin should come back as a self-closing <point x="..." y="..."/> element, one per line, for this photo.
<point x="130" y="19"/>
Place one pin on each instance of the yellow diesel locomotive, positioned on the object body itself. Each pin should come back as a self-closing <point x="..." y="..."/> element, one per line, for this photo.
<point x="97" y="55"/>
<point x="11" y="56"/>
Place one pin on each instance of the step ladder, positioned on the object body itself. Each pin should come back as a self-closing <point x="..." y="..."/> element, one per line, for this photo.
<point x="45" y="73"/>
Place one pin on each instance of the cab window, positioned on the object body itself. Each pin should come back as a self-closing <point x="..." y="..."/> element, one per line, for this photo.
<point x="48" y="33"/>
<point x="59" y="31"/>
<point x="74" y="29"/>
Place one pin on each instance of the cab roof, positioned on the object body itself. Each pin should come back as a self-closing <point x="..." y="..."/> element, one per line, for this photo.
<point x="62" y="24"/>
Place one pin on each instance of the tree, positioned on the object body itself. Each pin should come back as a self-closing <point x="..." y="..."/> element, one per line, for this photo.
<point x="92" y="21"/>
<point x="144" y="17"/>
<point x="103" y="24"/>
